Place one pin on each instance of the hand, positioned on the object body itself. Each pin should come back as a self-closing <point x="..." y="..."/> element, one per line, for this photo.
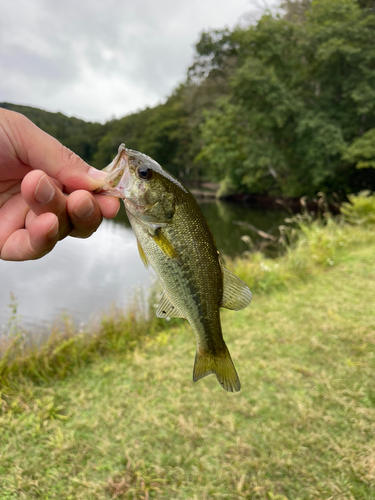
<point x="45" y="191"/>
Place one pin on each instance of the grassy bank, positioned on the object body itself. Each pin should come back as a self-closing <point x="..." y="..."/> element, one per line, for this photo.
<point x="129" y="423"/>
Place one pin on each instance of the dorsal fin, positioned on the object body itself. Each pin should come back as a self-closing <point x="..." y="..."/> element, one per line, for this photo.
<point x="236" y="294"/>
<point x="166" y="309"/>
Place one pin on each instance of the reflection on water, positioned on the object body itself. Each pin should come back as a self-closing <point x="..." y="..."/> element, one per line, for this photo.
<point x="221" y="215"/>
<point x="80" y="277"/>
<point x="85" y="277"/>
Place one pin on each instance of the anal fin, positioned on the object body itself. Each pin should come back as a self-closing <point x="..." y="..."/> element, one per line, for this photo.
<point x="166" y="309"/>
<point x="236" y="294"/>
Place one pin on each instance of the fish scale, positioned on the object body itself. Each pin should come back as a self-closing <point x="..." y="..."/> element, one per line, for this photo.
<point x="193" y="281"/>
<point x="174" y="238"/>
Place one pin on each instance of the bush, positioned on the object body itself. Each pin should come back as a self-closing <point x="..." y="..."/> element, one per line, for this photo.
<point x="360" y="210"/>
<point x="309" y="243"/>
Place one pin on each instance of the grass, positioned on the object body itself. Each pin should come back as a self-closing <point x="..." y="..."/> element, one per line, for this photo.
<point x="310" y="249"/>
<point x="67" y="349"/>
<point x="130" y="423"/>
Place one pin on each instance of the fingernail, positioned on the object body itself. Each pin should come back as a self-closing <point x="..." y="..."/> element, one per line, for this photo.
<point x="44" y="191"/>
<point x="96" y="174"/>
<point x="84" y="209"/>
<point x="53" y="231"/>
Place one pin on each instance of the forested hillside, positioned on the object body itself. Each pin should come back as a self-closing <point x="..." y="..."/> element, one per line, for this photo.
<point x="283" y="107"/>
<point x="80" y="136"/>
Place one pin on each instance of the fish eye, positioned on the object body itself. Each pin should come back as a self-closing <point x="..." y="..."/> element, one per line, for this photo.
<point x="144" y="173"/>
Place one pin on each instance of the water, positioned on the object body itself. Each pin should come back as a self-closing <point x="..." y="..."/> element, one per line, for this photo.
<point x="84" y="278"/>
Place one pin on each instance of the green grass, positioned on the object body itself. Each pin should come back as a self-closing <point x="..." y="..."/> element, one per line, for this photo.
<point x="67" y="349"/>
<point x="130" y="423"/>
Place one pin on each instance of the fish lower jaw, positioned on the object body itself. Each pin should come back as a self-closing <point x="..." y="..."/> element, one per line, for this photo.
<point x="134" y="208"/>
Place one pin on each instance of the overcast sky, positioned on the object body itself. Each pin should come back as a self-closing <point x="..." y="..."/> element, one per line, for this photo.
<point x="97" y="59"/>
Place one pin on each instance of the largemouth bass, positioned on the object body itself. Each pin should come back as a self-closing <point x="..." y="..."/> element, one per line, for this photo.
<point x="174" y="238"/>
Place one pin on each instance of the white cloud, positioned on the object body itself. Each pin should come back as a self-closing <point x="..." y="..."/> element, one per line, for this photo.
<point x="96" y="59"/>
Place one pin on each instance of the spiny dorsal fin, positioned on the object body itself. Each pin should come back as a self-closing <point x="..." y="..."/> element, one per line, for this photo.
<point x="222" y="366"/>
<point x="236" y="294"/>
<point x="142" y="255"/>
<point x="164" y="244"/>
<point x="166" y="309"/>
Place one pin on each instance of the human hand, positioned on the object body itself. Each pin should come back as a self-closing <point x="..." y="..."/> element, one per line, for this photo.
<point x="45" y="191"/>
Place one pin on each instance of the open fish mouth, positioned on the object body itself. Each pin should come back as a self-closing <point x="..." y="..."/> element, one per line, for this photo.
<point x="119" y="162"/>
<point x="118" y="175"/>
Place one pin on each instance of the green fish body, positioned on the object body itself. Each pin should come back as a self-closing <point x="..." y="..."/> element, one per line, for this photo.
<point x="174" y="238"/>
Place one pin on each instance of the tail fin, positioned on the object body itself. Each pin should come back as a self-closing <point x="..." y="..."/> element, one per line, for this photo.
<point x="222" y="366"/>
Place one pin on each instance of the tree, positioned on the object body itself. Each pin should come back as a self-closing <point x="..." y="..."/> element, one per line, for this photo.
<point x="300" y="96"/>
<point x="80" y="136"/>
<point x="362" y="150"/>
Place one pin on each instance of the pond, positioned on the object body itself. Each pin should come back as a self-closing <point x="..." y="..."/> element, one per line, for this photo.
<point x="85" y="278"/>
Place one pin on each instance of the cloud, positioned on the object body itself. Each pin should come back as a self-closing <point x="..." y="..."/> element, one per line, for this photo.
<point x="96" y="59"/>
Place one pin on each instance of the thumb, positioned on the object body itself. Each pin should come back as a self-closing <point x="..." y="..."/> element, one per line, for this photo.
<point x="39" y="150"/>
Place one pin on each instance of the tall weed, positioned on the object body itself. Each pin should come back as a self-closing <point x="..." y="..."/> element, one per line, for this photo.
<point x="68" y="348"/>
<point x="308" y="242"/>
<point x="360" y="210"/>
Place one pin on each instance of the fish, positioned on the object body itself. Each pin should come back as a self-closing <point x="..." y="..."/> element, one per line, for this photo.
<point x="174" y="238"/>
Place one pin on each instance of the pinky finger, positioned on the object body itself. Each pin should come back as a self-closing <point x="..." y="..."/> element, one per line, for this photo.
<point x="34" y="242"/>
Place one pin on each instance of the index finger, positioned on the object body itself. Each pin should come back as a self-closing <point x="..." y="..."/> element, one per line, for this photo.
<point x="39" y="150"/>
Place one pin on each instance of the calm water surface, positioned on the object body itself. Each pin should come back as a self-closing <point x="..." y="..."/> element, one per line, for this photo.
<point x="84" y="278"/>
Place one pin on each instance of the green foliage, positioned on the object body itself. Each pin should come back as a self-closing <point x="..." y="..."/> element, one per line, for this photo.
<point x="79" y="136"/>
<point x="284" y="107"/>
<point x="301" y="102"/>
<point x="214" y="50"/>
<point x="161" y="132"/>
<point x="65" y="349"/>
<point x="362" y="150"/>
<point x="295" y="10"/>
<point x="310" y="241"/>
<point x="360" y="210"/>
<point x="311" y="245"/>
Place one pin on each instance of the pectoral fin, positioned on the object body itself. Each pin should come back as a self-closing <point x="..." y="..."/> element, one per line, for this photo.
<point x="166" y="309"/>
<point x="236" y="294"/>
<point x="142" y="255"/>
<point x="164" y="244"/>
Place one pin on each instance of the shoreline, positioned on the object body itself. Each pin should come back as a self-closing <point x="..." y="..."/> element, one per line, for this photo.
<point x="209" y="191"/>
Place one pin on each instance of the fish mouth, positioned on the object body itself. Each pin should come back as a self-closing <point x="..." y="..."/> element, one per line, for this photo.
<point x="118" y="179"/>
<point x="118" y="175"/>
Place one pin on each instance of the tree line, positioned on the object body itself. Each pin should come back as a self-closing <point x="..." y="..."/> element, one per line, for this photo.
<point x="283" y="107"/>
